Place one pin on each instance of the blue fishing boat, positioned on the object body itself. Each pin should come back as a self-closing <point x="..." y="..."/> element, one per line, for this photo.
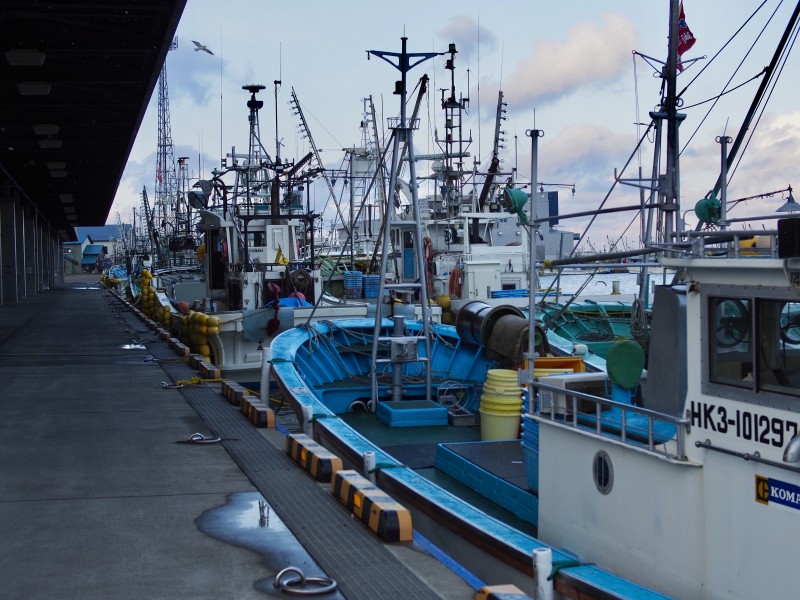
<point x="572" y="476"/>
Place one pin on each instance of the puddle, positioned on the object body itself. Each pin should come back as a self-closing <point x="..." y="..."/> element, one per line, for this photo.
<point x="133" y="347"/>
<point x="247" y="521"/>
<point x="86" y="288"/>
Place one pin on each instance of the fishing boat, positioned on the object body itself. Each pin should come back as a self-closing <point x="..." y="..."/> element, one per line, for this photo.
<point x="581" y="477"/>
<point x="252" y="272"/>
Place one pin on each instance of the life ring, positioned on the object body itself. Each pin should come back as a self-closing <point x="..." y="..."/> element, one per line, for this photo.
<point x="428" y="244"/>
<point x="454" y="285"/>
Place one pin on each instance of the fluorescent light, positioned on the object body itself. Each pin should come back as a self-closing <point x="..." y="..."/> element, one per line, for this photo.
<point x="45" y="129"/>
<point x="34" y="88"/>
<point x="58" y="173"/>
<point x="56" y="164"/>
<point x="66" y="198"/>
<point x="25" y="58"/>
<point x="72" y="218"/>
<point x="49" y="143"/>
<point x="69" y="210"/>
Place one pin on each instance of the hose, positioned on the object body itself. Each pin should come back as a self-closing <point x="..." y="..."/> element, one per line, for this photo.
<point x="302" y="585"/>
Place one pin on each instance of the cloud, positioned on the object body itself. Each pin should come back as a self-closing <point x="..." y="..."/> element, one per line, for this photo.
<point x="768" y="163"/>
<point x="194" y="74"/>
<point x="591" y="54"/>
<point x="585" y="155"/>
<point x="468" y="36"/>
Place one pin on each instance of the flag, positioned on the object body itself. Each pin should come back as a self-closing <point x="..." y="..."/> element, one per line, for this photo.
<point x="686" y="38"/>
<point x="158" y="170"/>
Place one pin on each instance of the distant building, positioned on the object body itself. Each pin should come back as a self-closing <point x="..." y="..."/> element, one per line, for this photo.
<point x="93" y="257"/>
<point x="97" y="249"/>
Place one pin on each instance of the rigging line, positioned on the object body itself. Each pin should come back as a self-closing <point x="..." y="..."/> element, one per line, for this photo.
<point x="726" y="92"/>
<point x="739" y="66"/>
<point x="624" y="231"/>
<point x="611" y="189"/>
<point x="783" y="61"/>
<point x="308" y="112"/>
<point x="327" y="202"/>
<point x="730" y="39"/>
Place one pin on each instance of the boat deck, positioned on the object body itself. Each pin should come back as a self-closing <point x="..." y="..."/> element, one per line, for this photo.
<point x="466" y="469"/>
<point x="101" y="500"/>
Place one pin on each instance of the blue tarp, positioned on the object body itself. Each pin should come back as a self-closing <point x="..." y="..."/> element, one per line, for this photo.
<point x="292" y="302"/>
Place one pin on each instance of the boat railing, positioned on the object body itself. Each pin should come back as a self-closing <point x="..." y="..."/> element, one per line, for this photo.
<point x="732" y="243"/>
<point x="399" y="123"/>
<point x="633" y="425"/>
<point x="502" y="257"/>
<point x="178" y="262"/>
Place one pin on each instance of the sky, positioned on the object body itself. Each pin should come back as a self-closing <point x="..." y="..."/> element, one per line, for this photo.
<point x="566" y="68"/>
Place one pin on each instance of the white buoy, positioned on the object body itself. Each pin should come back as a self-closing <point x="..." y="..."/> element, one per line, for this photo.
<point x="543" y="564"/>
<point x="615" y="287"/>
<point x="580" y="349"/>
<point x="266" y="370"/>
<point x="369" y="465"/>
<point x="308" y="414"/>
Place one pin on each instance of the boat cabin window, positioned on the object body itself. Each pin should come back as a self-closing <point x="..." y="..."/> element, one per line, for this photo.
<point x="755" y="344"/>
<point x="256" y="239"/>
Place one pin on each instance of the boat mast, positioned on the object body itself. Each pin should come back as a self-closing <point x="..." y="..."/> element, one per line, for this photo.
<point x="533" y="236"/>
<point x="670" y="204"/>
<point x="403" y="133"/>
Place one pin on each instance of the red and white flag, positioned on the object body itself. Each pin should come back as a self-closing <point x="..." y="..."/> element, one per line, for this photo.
<point x="686" y="38"/>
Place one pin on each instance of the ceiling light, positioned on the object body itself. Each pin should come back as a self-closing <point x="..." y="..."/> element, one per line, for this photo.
<point x="58" y="173"/>
<point x="69" y="210"/>
<point x="56" y="164"/>
<point x="25" y="58"/>
<point x="72" y="217"/>
<point x="45" y="129"/>
<point x="49" y="144"/>
<point x="66" y="198"/>
<point x="34" y="88"/>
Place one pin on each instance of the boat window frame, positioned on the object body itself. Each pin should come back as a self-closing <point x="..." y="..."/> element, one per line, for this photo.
<point x="754" y="393"/>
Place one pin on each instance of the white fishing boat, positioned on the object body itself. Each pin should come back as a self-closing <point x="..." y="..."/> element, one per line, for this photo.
<point x="254" y="271"/>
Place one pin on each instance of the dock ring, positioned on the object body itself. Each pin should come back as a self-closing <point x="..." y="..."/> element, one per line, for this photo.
<point x="302" y="585"/>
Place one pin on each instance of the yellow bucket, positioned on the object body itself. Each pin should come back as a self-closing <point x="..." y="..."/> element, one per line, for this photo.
<point x="499" y="426"/>
<point x="505" y="408"/>
<point x="502" y="380"/>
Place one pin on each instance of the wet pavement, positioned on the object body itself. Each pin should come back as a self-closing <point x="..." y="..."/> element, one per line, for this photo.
<point x="98" y="497"/>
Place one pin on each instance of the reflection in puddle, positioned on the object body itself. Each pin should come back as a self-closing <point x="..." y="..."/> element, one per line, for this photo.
<point x="86" y="288"/>
<point x="134" y="346"/>
<point x="249" y="522"/>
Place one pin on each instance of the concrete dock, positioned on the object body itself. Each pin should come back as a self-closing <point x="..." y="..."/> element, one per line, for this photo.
<point x="100" y="499"/>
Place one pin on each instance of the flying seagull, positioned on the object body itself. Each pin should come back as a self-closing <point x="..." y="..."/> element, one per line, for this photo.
<point x="199" y="46"/>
